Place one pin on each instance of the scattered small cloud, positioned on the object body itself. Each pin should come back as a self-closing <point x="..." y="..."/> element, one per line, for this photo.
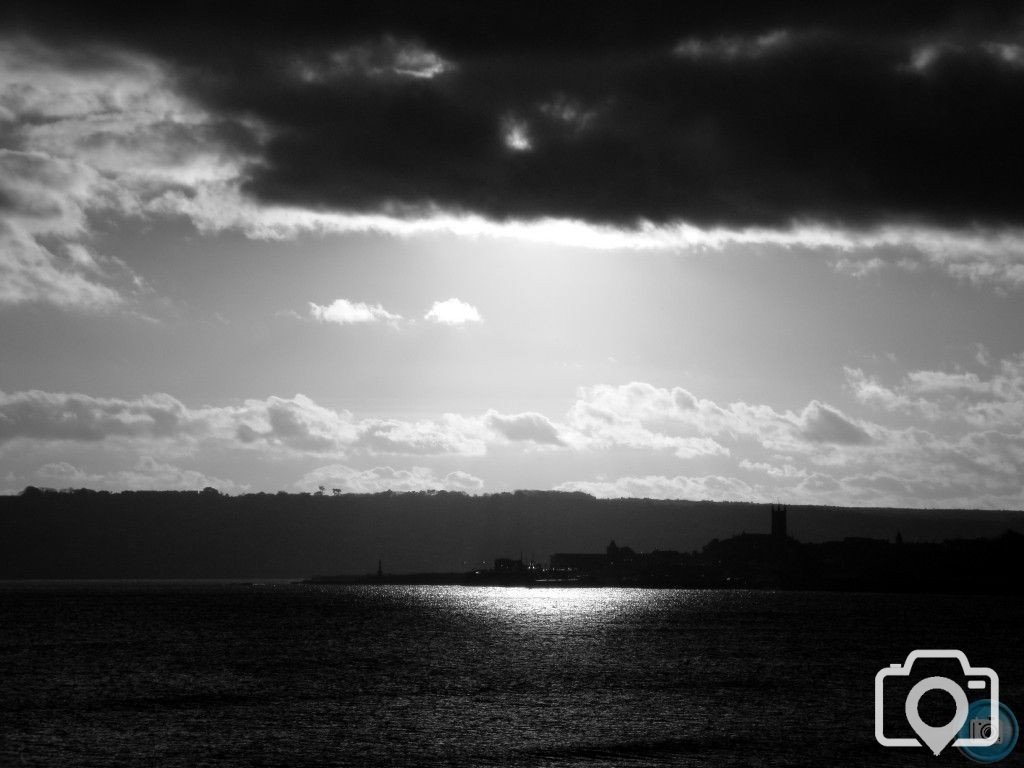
<point x="925" y="56"/>
<point x="516" y="134"/>
<point x="345" y="312"/>
<point x="1011" y="54"/>
<point x="568" y="112"/>
<point x="453" y="312"/>
<point x="384" y="59"/>
<point x="733" y="48"/>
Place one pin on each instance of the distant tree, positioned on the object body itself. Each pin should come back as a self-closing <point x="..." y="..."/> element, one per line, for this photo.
<point x="320" y="490"/>
<point x="210" y="491"/>
<point x="336" y="491"/>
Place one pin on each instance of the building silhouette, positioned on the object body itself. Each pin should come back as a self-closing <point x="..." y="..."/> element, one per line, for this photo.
<point x="779" y="520"/>
<point x="578" y="561"/>
<point x="508" y="565"/>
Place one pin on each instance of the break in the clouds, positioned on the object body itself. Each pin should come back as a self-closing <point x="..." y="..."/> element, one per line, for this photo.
<point x="880" y="138"/>
<point x="668" y="251"/>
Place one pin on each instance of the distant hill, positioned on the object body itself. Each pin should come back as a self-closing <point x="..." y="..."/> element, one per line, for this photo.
<point x="174" y="534"/>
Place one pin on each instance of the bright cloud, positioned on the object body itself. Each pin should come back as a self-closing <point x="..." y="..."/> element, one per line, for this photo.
<point x="635" y="416"/>
<point x="748" y="451"/>
<point x="345" y="312"/>
<point x="453" y="312"/>
<point x="978" y="255"/>
<point x="84" y="140"/>
<point x="516" y="134"/>
<point x="383" y="59"/>
<point x="993" y="402"/>
<point x="640" y="409"/>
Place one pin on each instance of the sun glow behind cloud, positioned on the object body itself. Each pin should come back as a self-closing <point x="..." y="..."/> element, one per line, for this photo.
<point x="121" y="140"/>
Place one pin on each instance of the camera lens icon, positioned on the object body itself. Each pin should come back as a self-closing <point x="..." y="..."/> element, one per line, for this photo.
<point x="938" y="737"/>
<point x="979" y="726"/>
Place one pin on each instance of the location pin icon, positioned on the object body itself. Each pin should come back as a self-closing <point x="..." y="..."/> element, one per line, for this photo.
<point x="936" y="739"/>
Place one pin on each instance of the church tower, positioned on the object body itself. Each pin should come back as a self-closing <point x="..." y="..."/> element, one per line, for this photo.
<point x="779" y="520"/>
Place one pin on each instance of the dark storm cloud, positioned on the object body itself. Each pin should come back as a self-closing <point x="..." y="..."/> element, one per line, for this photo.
<point x="855" y="113"/>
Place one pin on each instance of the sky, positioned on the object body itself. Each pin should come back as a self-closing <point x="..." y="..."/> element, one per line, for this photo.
<point x="704" y="251"/>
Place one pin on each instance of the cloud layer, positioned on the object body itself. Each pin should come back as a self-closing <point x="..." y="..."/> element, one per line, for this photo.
<point x="344" y="479"/>
<point x="962" y="446"/>
<point x="887" y="146"/>
<point x="845" y="113"/>
<point x="147" y="474"/>
<point x="84" y="131"/>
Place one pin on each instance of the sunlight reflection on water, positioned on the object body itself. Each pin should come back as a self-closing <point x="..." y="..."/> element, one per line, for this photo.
<point x="519" y="603"/>
<point x="516" y="605"/>
<point x="413" y="676"/>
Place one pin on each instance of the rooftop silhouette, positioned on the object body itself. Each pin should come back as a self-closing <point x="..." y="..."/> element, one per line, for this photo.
<point x="557" y="536"/>
<point x="771" y="561"/>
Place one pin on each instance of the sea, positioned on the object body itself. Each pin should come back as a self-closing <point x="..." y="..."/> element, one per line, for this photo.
<point x="287" y="674"/>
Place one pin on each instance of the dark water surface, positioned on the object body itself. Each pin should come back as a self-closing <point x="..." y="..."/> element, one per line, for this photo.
<point x="198" y="674"/>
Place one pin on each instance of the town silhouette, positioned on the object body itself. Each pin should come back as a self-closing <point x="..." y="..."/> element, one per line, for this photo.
<point x="772" y="560"/>
<point x="544" y="538"/>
